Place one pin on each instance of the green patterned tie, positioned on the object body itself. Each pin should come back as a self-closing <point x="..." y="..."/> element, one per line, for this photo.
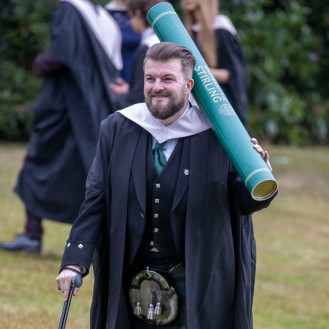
<point x="159" y="157"/>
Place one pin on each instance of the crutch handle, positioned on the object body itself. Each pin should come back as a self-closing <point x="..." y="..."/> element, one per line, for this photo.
<point x="76" y="283"/>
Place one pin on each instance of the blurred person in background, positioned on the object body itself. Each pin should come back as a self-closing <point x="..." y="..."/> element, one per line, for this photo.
<point x="130" y="39"/>
<point x="218" y="42"/>
<point x="84" y="57"/>
<point x="128" y="94"/>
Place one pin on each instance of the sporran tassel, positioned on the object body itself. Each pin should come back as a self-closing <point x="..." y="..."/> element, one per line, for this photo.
<point x="157" y="310"/>
<point x="150" y="313"/>
<point x="138" y="309"/>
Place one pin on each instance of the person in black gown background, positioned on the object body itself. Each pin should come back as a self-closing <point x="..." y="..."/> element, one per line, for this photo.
<point x="130" y="38"/>
<point x="81" y="62"/>
<point x="217" y="40"/>
<point x="125" y="93"/>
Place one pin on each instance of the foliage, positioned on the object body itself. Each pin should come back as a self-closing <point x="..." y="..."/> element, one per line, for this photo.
<point x="286" y="44"/>
<point x="282" y="53"/>
<point x="24" y="33"/>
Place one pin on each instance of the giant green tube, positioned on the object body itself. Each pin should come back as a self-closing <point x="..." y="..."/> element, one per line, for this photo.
<point x="219" y="112"/>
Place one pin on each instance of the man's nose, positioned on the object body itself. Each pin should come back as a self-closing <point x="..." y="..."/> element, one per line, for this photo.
<point x="158" y="85"/>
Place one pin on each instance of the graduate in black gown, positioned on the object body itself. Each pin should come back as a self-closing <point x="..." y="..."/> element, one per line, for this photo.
<point x="218" y="41"/>
<point x="125" y="93"/>
<point x="130" y="38"/>
<point x="82" y="60"/>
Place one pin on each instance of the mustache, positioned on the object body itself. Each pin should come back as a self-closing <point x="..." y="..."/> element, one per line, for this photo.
<point x="160" y="93"/>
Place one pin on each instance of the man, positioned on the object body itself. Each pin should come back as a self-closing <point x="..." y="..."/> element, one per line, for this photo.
<point x="81" y="62"/>
<point x="168" y="230"/>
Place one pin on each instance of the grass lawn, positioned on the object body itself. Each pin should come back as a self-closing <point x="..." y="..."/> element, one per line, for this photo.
<point x="292" y="285"/>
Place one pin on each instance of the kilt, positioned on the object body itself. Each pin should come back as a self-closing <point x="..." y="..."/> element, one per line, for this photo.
<point x="178" y="280"/>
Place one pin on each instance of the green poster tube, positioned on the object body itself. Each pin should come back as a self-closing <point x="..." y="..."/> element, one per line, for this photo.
<point x="212" y="101"/>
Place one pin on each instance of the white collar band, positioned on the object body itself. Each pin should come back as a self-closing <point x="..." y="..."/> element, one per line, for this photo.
<point x="103" y="25"/>
<point x="191" y="122"/>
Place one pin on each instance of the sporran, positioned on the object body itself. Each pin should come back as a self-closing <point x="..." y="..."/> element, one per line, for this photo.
<point x="152" y="298"/>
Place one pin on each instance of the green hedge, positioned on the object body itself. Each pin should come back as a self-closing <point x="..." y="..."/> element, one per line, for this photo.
<point x="286" y="84"/>
<point x="24" y="29"/>
<point x="286" y="45"/>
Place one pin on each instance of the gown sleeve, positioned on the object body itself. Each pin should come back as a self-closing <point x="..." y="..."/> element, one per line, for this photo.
<point x="88" y="226"/>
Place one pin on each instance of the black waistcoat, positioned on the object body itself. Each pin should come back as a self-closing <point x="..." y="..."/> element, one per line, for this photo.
<point x="158" y="246"/>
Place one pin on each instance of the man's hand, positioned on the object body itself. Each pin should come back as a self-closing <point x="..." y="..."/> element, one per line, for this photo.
<point x="262" y="152"/>
<point x="64" y="280"/>
<point x="120" y="87"/>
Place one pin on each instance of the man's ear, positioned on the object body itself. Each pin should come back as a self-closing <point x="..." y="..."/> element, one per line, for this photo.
<point x="189" y="86"/>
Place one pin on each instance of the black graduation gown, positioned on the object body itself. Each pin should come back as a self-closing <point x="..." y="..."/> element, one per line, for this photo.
<point x="230" y="57"/>
<point x="219" y="248"/>
<point x="67" y="116"/>
<point x="136" y="91"/>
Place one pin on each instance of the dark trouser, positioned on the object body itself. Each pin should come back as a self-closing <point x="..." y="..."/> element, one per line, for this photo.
<point x="33" y="226"/>
<point x="178" y="279"/>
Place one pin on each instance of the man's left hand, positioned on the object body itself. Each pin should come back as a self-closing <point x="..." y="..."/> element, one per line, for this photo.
<point x="262" y="152"/>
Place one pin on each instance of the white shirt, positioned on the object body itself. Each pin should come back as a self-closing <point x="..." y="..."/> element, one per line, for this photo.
<point x="168" y="148"/>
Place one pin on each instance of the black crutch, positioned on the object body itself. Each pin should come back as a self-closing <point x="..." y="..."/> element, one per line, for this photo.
<point x="76" y="283"/>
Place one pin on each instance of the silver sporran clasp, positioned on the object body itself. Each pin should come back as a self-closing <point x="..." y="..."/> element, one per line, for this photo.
<point x="152" y="298"/>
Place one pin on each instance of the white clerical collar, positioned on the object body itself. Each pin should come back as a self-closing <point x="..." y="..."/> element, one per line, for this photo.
<point x="191" y="122"/>
<point x="149" y="38"/>
<point x="105" y="28"/>
<point x="220" y="22"/>
<point x="116" y="6"/>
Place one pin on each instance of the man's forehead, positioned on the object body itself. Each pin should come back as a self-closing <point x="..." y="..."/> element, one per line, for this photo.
<point x="171" y="65"/>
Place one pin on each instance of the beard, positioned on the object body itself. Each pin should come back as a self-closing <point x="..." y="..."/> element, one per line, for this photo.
<point x="161" y="111"/>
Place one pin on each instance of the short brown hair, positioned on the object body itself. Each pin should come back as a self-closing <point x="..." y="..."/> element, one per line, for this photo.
<point x="168" y="50"/>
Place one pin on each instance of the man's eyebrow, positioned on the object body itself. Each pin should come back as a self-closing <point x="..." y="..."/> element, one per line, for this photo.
<point x="168" y="75"/>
